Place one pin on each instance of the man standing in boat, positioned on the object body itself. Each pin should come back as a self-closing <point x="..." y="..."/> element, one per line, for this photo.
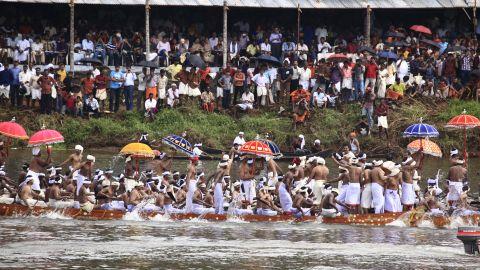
<point x="457" y="174"/>
<point x="366" y="197"/>
<point x="84" y="172"/>
<point x="319" y="175"/>
<point x="247" y="174"/>
<point x="38" y="165"/>
<point x="75" y="159"/>
<point x="408" y="192"/>
<point x="378" y="184"/>
<point x="191" y="183"/>
<point x="352" y="195"/>
<point x="392" y="198"/>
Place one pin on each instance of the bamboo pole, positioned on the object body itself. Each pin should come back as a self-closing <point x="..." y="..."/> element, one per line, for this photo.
<point x="147" y="29"/>
<point x="225" y="36"/>
<point x="475" y="19"/>
<point x="368" y="26"/>
<point x="72" y="37"/>
<point x="299" y="12"/>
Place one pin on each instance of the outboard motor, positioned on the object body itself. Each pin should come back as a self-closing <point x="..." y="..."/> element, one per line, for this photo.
<point x="470" y="236"/>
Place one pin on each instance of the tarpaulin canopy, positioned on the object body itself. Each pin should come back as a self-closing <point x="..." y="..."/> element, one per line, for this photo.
<point x="306" y="4"/>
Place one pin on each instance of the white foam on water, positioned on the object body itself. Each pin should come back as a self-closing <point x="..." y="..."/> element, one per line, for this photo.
<point x="161" y="218"/>
<point x="195" y="220"/>
<point x="426" y="223"/>
<point x="236" y="219"/>
<point x="458" y="221"/>
<point x="397" y="223"/>
<point x="133" y="216"/>
<point x="54" y="215"/>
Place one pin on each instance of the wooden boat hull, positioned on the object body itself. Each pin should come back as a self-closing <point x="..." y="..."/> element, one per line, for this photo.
<point x="356" y="219"/>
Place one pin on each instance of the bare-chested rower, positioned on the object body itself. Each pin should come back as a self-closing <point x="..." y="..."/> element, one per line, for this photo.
<point x="38" y="165"/>
<point x="246" y="174"/>
<point x="191" y="183"/>
<point x="85" y="170"/>
<point x="28" y="197"/>
<point x="378" y="178"/>
<point x="366" y="183"/>
<point x="352" y="196"/>
<point x="409" y="165"/>
<point x="318" y="174"/>
<point x="57" y="198"/>
<point x="74" y="159"/>
<point x="85" y="197"/>
<point x="457" y="174"/>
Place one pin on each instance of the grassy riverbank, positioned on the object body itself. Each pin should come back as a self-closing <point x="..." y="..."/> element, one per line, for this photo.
<point x="218" y="130"/>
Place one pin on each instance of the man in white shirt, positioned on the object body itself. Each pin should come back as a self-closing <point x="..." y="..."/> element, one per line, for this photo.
<point x="87" y="46"/>
<point x="37" y="51"/>
<point x="262" y="81"/>
<point x="323" y="46"/>
<point x="163" y="49"/>
<point x="92" y="105"/>
<point x="304" y="77"/>
<point x="213" y="41"/>
<point x="128" y="86"/>
<point x="22" y="49"/>
<point x="321" y="32"/>
<point x="265" y="47"/>
<point x="25" y="77"/>
<point x="35" y="87"/>
<point x="233" y="48"/>
<point x="150" y="107"/>
<point x="141" y="87"/>
<point x="320" y="98"/>
<point x="240" y="139"/>
<point x="302" y="51"/>
<point x="173" y="96"/>
<point x="246" y="104"/>
<point x="162" y="87"/>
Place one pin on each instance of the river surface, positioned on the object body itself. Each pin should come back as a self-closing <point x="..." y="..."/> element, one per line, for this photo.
<point x="56" y="242"/>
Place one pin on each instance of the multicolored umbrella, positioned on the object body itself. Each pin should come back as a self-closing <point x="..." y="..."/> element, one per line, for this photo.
<point x="428" y="147"/>
<point x="13" y="130"/>
<point x="273" y="147"/>
<point x="45" y="137"/>
<point x="421" y="130"/>
<point x="421" y="29"/>
<point x="463" y="121"/>
<point x="138" y="151"/>
<point x="257" y="148"/>
<point x="179" y="143"/>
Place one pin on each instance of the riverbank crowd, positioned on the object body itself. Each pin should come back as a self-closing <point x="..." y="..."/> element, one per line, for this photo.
<point x="322" y="68"/>
<point x="308" y="187"/>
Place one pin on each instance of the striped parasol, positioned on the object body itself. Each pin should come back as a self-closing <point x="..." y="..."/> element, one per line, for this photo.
<point x="421" y="130"/>
<point x="464" y="121"/>
<point x="257" y="148"/>
<point x="12" y="129"/>
<point x="179" y="143"/>
<point x="273" y="147"/>
<point x="45" y="137"/>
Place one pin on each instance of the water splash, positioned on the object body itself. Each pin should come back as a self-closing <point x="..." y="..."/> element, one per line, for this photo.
<point x="196" y="220"/>
<point x="54" y="215"/>
<point x="133" y="216"/>
<point x="161" y="218"/>
<point x="397" y="223"/>
<point x="236" y="219"/>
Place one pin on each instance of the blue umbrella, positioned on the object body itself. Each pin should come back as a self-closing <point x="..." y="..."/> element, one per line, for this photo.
<point x="179" y="143"/>
<point x="273" y="147"/>
<point x="388" y="55"/>
<point x="421" y="130"/>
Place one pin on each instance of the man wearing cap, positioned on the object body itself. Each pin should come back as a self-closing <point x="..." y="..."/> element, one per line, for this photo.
<point x="199" y="204"/>
<point x="265" y="204"/>
<point x="191" y="183"/>
<point x="247" y="174"/>
<point x="300" y="200"/>
<point x="136" y="196"/>
<point x="457" y="174"/>
<point x="329" y="204"/>
<point x="378" y="183"/>
<point x="108" y="198"/>
<point x="240" y="139"/>
<point x="27" y="196"/>
<point x="238" y="202"/>
<point x="353" y="192"/>
<point x="319" y="174"/>
<point x="84" y="196"/>
<point x="219" y="177"/>
<point x="393" y="203"/>
<point x="76" y="158"/>
<point x="408" y="191"/>
<point x="84" y="172"/>
<point x="57" y="198"/>
<point x="38" y="165"/>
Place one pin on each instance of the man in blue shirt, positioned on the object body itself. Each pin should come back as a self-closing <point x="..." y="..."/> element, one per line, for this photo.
<point x="116" y="81"/>
<point x="15" y="97"/>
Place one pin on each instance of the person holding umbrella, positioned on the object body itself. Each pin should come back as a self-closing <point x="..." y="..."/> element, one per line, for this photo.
<point x="37" y="166"/>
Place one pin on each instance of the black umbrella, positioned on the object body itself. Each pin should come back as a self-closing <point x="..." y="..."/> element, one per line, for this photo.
<point x="149" y="64"/>
<point x="268" y="59"/>
<point x="196" y="61"/>
<point x="366" y="49"/>
<point x="395" y="34"/>
<point x="431" y="42"/>
<point x="92" y="61"/>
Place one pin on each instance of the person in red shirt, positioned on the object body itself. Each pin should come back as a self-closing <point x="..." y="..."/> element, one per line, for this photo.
<point x="46" y="83"/>
<point x="70" y="104"/>
<point x="87" y="84"/>
<point x="371" y="71"/>
<point x="101" y="82"/>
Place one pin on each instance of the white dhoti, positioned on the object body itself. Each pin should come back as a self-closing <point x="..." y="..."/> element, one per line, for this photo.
<point x="285" y="198"/>
<point x="114" y="205"/>
<point x="36" y="93"/>
<point x="87" y="207"/>
<point x="366" y="199"/>
<point x="182" y="88"/>
<point x="161" y="93"/>
<point x="392" y="201"/>
<point x="80" y="179"/>
<point x="58" y="204"/>
<point x="382" y="121"/>
<point x="36" y="181"/>
<point x="317" y="189"/>
<point x="352" y="196"/>
<point x="272" y="179"/>
<point x="193" y="92"/>
<point x="378" y="200"/>
<point x="172" y="210"/>
<point x="266" y="212"/>
<point x="261" y="91"/>
<point x="408" y="194"/>
<point x="343" y="192"/>
<point x="5" y="91"/>
<point x="245" y="106"/>
<point x="218" y="198"/>
<point x="192" y="186"/>
<point x="241" y="212"/>
<point x="248" y="189"/>
<point x="454" y="191"/>
<point x="33" y="203"/>
<point x="329" y="212"/>
<point x="6" y="200"/>
<point x="202" y="210"/>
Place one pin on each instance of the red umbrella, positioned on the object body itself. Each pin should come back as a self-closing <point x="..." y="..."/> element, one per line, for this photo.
<point x="337" y="57"/>
<point x="257" y="148"/>
<point x="464" y="121"/>
<point x="13" y="130"/>
<point x="45" y="136"/>
<point x="421" y="29"/>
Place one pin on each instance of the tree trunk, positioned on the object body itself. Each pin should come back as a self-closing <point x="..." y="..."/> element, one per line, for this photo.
<point x="72" y="37"/>
<point x="147" y="30"/>
<point x="225" y="39"/>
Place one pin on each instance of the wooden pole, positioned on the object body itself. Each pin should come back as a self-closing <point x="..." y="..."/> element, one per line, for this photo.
<point x="147" y="29"/>
<point x="299" y="11"/>
<point x="225" y="36"/>
<point x="475" y="19"/>
<point x="72" y="37"/>
<point x="368" y="26"/>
